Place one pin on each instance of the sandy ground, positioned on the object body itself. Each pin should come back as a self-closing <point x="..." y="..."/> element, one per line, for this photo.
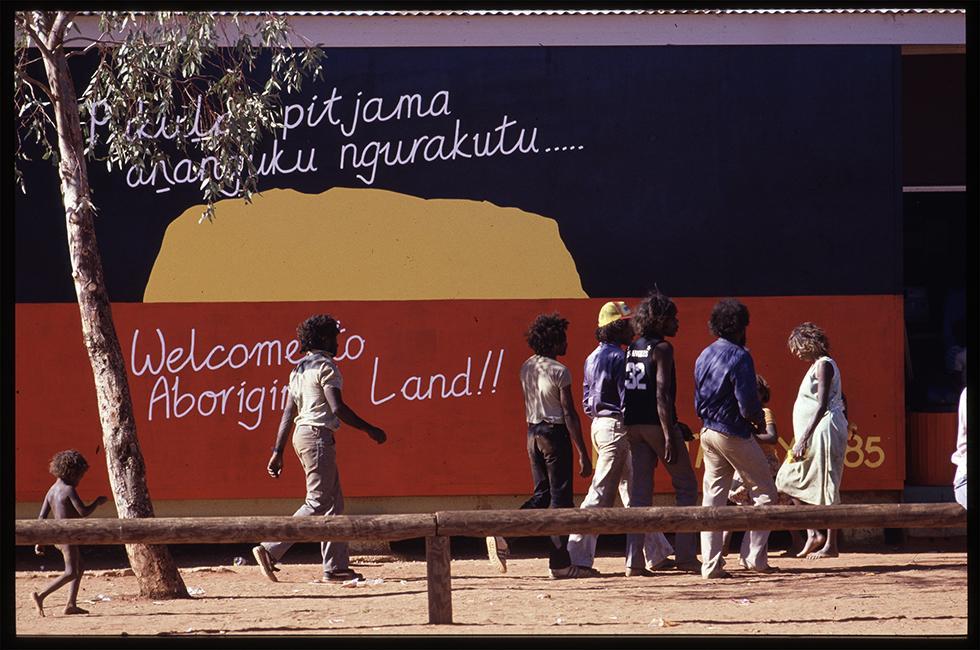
<point x="908" y="592"/>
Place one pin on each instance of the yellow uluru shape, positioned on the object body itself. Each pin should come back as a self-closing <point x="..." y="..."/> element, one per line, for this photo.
<point x="360" y="244"/>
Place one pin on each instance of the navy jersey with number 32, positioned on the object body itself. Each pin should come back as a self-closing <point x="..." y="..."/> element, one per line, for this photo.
<point x="641" y="384"/>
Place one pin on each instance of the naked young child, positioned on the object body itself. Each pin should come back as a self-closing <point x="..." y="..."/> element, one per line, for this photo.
<point x="63" y="501"/>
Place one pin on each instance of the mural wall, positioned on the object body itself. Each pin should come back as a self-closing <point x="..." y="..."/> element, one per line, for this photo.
<point x="435" y="200"/>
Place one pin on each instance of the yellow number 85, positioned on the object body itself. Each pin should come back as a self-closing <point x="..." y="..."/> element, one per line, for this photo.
<point x="860" y="451"/>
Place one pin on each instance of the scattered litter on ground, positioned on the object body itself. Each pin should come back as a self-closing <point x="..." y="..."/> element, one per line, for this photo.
<point x="742" y="601"/>
<point x="100" y="598"/>
<point x="195" y="591"/>
<point x="559" y="621"/>
<point x="209" y="569"/>
<point x="239" y="561"/>
<point x="663" y="622"/>
<point x="543" y="596"/>
<point x="363" y="583"/>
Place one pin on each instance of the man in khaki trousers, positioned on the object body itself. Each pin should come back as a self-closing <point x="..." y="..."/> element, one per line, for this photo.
<point x="727" y="401"/>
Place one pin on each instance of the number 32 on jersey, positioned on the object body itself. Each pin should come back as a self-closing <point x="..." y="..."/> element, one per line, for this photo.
<point x="635" y="373"/>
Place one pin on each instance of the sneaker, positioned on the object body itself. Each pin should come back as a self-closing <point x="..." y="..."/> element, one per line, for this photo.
<point x="265" y="562"/>
<point x="765" y="569"/>
<point x="343" y="575"/>
<point x="721" y="574"/>
<point x="634" y="572"/>
<point x="498" y="552"/>
<point x="662" y="565"/>
<point x="574" y="572"/>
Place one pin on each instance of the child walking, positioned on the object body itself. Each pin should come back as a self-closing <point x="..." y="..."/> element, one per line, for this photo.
<point x="62" y="499"/>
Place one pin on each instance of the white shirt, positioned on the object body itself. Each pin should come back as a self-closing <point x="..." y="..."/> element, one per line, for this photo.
<point x="308" y="383"/>
<point x="959" y="456"/>
<point x="542" y="379"/>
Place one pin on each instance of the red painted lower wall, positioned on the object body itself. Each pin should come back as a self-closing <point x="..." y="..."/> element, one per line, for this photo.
<point x="932" y="439"/>
<point x="465" y="436"/>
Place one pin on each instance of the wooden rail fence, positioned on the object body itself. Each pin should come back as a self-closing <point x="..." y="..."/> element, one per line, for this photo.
<point x="437" y="528"/>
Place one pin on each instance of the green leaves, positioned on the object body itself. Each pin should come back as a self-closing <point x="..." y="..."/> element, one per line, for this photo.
<point x="173" y="89"/>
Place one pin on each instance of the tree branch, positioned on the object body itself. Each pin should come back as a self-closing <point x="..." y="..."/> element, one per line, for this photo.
<point x="37" y="39"/>
<point x="37" y="84"/>
<point x="44" y="114"/>
<point x="85" y="49"/>
<point x="60" y="24"/>
<point x="100" y="39"/>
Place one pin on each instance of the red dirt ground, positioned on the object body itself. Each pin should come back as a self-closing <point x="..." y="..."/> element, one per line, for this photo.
<point x="893" y="593"/>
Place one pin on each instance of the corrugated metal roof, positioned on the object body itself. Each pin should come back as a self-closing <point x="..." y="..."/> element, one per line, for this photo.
<point x="587" y="12"/>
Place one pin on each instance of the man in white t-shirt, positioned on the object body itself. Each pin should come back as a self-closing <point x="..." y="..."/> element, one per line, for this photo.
<point x="553" y="426"/>
<point x="316" y="408"/>
<point x="959" y="456"/>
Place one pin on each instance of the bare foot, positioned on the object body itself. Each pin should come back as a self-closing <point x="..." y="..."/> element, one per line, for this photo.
<point x="813" y="542"/>
<point x="75" y="609"/>
<point x="37" y="603"/>
<point x="824" y="552"/>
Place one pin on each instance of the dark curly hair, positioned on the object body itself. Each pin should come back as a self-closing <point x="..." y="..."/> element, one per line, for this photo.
<point x="315" y="331"/>
<point x="652" y="314"/>
<point x="728" y="318"/>
<point x="808" y="341"/>
<point x="763" y="387"/>
<point x="69" y="466"/>
<point x="546" y="334"/>
<point x="614" y="332"/>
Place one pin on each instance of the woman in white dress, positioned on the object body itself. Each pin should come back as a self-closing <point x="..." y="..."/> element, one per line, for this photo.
<point x="813" y="468"/>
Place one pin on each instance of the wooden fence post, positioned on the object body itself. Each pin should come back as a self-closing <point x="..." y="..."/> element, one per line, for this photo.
<point x="437" y="569"/>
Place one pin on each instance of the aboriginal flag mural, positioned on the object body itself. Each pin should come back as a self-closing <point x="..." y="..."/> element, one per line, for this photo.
<point x="436" y="200"/>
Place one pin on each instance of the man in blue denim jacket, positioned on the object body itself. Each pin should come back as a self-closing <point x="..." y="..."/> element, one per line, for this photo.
<point x="727" y="401"/>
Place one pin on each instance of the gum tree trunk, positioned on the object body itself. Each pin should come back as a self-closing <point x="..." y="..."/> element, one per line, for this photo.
<point x="153" y="565"/>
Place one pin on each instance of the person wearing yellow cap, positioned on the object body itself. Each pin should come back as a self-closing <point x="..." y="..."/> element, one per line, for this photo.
<point x="603" y="395"/>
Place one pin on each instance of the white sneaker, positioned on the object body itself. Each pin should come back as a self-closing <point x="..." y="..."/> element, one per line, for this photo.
<point x="498" y="552"/>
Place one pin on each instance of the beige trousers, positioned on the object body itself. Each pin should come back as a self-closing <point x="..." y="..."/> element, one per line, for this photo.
<point x="723" y="454"/>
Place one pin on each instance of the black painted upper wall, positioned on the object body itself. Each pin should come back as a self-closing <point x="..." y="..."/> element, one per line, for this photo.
<point x="709" y="170"/>
<point x="934" y="119"/>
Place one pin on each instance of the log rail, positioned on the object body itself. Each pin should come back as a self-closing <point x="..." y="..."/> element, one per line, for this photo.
<point x="437" y="527"/>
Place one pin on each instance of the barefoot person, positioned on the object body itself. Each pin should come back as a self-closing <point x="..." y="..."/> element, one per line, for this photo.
<point x="317" y="408"/>
<point x="727" y="401"/>
<point x="813" y="472"/>
<point x="552" y="428"/>
<point x="652" y="428"/>
<point x="63" y="501"/>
